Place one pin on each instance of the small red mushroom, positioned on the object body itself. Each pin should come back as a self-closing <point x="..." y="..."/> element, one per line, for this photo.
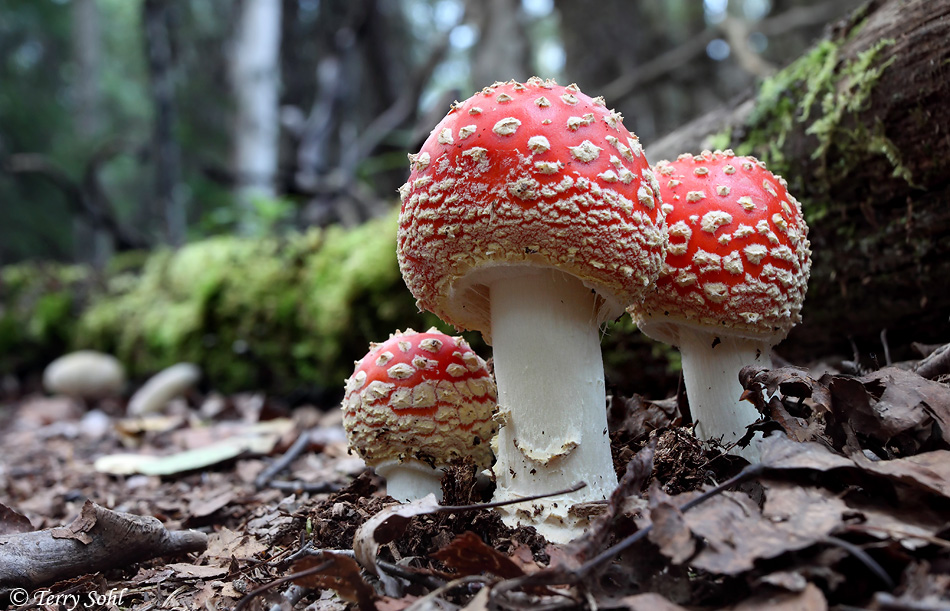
<point x="736" y="274"/>
<point x="531" y="215"/>
<point x="417" y="403"/>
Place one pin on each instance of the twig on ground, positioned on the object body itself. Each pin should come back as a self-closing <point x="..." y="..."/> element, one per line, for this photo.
<point x="864" y="558"/>
<point x="285" y="579"/>
<point x="264" y="478"/>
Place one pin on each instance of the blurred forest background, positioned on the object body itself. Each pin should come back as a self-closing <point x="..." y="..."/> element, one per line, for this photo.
<point x="127" y="124"/>
<point x="215" y="181"/>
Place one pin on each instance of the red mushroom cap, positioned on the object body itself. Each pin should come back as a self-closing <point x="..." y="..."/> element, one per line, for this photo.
<point x="423" y="396"/>
<point x="738" y="256"/>
<point x="528" y="174"/>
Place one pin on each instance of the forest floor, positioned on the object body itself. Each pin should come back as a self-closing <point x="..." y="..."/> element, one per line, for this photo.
<point x="850" y="509"/>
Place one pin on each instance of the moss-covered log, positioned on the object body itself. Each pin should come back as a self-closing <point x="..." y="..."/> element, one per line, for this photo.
<point x="860" y="128"/>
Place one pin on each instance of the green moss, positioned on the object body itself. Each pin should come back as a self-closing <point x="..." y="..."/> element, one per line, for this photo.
<point x="258" y="313"/>
<point x="721" y="141"/>
<point x="39" y="303"/>
<point x="824" y="93"/>
<point x="786" y="99"/>
<point x="848" y="95"/>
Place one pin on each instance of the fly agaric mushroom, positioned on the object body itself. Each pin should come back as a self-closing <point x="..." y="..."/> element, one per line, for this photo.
<point x="531" y="215"/>
<point x="736" y="273"/>
<point x="417" y="403"/>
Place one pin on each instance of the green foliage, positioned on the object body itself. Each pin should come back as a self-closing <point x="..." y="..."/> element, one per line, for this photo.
<point x="824" y="92"/>
<point x="279" y="314"/>
<point x="787" y="98"/>
<point x="38" y="308"/>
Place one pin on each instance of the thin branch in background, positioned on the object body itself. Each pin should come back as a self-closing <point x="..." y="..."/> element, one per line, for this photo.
<point x="400" y="111"/>
<point x="674" y="59"/>
<point x="85" y="198"/>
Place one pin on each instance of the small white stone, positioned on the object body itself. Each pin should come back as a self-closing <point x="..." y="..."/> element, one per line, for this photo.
<point x="85" y="374"/>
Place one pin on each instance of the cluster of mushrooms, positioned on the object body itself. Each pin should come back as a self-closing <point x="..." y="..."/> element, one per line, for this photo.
<point x="532" y="216"/>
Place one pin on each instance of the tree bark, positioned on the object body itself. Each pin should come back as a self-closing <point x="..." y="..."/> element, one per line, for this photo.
<point x="501" y="53"/>
<point x="90" y="242"/>
<point x="255" y="76"/>
<point x="166" y="155"/>
<point x="860" y="128"/>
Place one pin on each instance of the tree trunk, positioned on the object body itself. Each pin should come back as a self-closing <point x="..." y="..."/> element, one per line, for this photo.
<point x="90" y="242"/>
<point x="860" y="128"/>
<point x="166" y="155"/>
<point x="255" y="73"/>
<point x="501" y="53"/>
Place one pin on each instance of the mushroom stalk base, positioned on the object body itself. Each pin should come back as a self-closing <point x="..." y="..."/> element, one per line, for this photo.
<point x="711" y="367"/>
<point x="410" y="480"/>
<point x="551" y="399"/>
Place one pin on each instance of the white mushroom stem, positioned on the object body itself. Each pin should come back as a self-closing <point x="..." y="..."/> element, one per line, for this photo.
<point x="551" y="397"/>
<point x="410" y="480"/>
<point x="711" y="365"/>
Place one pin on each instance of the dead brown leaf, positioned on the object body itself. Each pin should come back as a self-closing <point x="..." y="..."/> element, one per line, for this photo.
<point x="649" y="602"/>
<point x="211" y="502"/>
<point x="670" y="532"/>
<point x="191" y="571"/>
<point x="79" y="528"/>
<point x="636" y="417"/>
<point x="894" y="409"/>
<point x="928" y="472"/>
<point x="736" y="534"/>
<point x="386" y="526"/>
<point x="342" y="574"/>
<point x="226" y="544"/>
<point x="13" y="522"/>
<point x="809" y="599"/>
<point x="467" y="554"/>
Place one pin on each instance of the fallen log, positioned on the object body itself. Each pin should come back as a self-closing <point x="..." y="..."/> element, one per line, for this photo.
<point x="97" y="540"/>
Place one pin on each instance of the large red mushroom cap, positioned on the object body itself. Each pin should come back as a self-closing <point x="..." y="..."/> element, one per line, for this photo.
<point x="738" y="257"/>
<point x="420" y="396"/>
<point x="528" y="174"/>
